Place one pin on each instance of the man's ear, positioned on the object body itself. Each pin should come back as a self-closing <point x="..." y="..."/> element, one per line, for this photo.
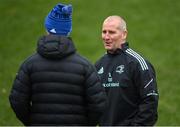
<point x="124" y="35"/>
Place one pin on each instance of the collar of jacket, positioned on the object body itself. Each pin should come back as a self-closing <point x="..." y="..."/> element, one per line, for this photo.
<point x="55" y="46"/>
<point x="118" y="51"/>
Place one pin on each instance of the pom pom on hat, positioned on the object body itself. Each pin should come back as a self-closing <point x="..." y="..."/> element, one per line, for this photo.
<point x="59" y="20"/>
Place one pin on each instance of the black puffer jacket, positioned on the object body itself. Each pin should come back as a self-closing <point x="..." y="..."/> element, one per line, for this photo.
<point x="56" y="86"/>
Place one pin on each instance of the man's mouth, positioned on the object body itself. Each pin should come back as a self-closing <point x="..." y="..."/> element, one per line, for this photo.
<point x="108" y="43"/>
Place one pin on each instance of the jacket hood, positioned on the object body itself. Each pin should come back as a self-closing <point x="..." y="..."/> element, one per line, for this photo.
<point x="55" y="46"/>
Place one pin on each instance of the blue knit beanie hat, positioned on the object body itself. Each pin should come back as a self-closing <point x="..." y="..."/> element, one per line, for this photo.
<point x="59" y="20"/>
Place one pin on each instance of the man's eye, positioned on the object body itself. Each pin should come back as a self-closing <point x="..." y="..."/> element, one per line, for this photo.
<point x="103" y="32"/>
<point x="111" y="32"/>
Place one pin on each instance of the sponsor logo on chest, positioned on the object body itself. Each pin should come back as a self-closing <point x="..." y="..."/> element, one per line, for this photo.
<point x="110" y="83"/>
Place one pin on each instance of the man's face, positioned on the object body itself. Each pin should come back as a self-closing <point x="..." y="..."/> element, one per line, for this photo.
<point x="112" y="35"/>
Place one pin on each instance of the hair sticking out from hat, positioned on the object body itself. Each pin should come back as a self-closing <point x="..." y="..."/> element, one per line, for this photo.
<point x="59" y="20"/>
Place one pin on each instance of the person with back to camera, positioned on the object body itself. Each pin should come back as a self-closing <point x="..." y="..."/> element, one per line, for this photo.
<point x="57" y="86"/>
<point x="128" y="78"/>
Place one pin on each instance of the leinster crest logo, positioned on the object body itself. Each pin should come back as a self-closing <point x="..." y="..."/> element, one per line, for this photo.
<point x="120" y="69"/>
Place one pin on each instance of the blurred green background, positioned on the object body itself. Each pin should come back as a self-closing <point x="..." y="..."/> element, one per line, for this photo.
<point x="153" y="26"/>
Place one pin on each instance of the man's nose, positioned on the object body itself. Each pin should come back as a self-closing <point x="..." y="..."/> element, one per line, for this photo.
<point x="106" y="35"/>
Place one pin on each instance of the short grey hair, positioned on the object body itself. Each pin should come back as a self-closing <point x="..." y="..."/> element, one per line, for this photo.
<point x="122" y="25"/>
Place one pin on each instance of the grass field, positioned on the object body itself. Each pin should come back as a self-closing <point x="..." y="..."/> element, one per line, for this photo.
<point x="153" y="27"/>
